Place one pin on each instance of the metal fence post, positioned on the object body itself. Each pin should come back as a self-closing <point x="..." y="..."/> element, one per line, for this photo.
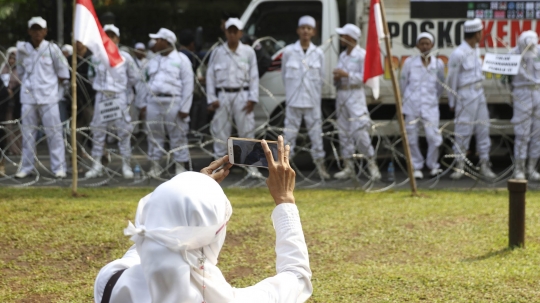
<point x="516" y="213"/>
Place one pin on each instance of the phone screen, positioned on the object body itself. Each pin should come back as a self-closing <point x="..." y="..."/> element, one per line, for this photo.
<point x="251" y="153"/>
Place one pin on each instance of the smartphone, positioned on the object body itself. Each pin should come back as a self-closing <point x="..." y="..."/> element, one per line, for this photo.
<point x="249" y="152"/>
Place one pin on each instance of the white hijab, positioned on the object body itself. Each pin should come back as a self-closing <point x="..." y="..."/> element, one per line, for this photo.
<point x="527" y="43"/>
<point x="183" y="222"/>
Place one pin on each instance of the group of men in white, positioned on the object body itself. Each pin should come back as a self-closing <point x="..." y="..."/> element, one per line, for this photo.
<point x="164" y="89"/>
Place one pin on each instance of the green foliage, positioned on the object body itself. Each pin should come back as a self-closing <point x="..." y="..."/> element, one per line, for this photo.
<point x="387" y="247"/>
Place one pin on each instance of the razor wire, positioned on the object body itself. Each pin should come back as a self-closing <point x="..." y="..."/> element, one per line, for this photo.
<point x="387" y="147"/>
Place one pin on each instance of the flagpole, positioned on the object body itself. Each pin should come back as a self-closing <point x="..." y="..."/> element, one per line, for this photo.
<point x="399" y="108"/>
<point x="74" y="106"/>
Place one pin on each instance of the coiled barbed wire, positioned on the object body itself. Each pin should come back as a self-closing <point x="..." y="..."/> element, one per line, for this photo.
<point x="387" y="146"/>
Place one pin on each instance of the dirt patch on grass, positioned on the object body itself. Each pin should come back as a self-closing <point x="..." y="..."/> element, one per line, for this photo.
<point x="239" y="272"/>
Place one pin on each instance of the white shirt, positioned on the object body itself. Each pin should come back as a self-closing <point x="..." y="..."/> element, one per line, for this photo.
<point x="171" y="75"/>
<point x="464" y="69"/>
<point x="421" y="85"/>
<point x="39" y="71"/>
<point x="303" y="75"/>
<point x="353" y="64"/>
<point x="228" y="69"/>
<point x="529" y="70"/>
<point x="140" y="63"/>
<point x="125" y="76"/>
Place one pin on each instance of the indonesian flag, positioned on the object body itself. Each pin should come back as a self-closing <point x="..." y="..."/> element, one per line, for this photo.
<point x="89" y="32"/>
<point x="373" y="65"/>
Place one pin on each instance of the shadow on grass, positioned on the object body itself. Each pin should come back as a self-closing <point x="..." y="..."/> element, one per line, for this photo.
<point x="498" y="253"/>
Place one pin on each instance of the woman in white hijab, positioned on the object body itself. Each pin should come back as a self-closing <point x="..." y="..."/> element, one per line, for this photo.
<point x="180" y="229"/>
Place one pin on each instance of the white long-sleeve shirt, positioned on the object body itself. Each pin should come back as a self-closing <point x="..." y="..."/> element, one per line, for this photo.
<point x="303" y="75"/>
<point x="126" y="75"/>
<point x="529" y="70"/>
<point x="171" y="75"/>
<point x="464" y="69"/>
<point x="228" y="69"/>
<point x="353" y="64"/>
<point x="293" y="280"/>
<point x="421" y="86"/>
<point x="39" y="70"/>
<point x="291" y="284"/>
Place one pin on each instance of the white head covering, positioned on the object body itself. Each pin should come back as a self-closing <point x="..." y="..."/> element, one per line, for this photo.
<point x="165" y="34"/>
<point x="425" y="35"/>
<point x="528" y="38"/>
<point x="140" y="46"/>
<point x="11" y="50"/>
<point x="350" y="30"/>
<point x="307" y="20"/>
<point x="37" y="20"/>
<point x="67" y="48"/>
<point x="112" y="28"/>
<point x="183" y="218"/>
<point x="234" y="22"/>
<point x="473" y="26"/>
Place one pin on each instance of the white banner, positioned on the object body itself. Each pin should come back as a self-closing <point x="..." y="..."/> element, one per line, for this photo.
<point x="109" y="110"/>
<point x="503" y="64"/>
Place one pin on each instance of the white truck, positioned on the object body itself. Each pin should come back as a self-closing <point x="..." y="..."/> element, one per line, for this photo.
<point x="503" y="22"/>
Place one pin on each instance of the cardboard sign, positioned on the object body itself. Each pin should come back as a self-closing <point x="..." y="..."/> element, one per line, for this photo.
<point x="109" y="110"/>
<point x="503" y="64"/>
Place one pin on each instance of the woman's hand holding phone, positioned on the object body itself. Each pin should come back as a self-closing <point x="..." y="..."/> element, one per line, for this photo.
<point x="282" y="178"/>
<point x="218" y="169"/>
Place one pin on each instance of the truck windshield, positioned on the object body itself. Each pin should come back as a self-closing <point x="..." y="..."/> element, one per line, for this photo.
<point x="279" y="19"/>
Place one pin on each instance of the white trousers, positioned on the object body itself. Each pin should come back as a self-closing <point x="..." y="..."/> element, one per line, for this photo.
<point x="526" y="122"/>
<point x="433" y="137"/>
<point x="313" y="120"/>
<point x="353" y="123"/>
<point x="163" y="120"/>
<point x="50" y="118"/>
<point x="231" y="107"/>
<point x="472" y="116"/>
<point x="120" y="127"/>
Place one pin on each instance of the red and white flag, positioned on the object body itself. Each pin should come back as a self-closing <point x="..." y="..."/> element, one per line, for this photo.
<point x="373" y="65"/>
<point x="89" y="32"/>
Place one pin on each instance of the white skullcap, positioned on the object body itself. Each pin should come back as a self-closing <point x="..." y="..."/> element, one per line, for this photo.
<point x="526" y="38"/>
<point x="425" y="35"/>
<point x="11" y="50"/>
<point x="112" y="28"/>
<point x="473" y="26"/>
<point x="165" y="34"/>
<point x="350" y="30"/>
<point x="234" y="22"/>
<point x="307" y="20"/>
<point x="67" y="48"/>
<point x="37" y="20"/>
<point x="151" y="43"/>
<point x="140" y="45"/>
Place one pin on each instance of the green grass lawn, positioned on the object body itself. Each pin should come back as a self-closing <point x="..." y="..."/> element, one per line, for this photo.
<point x="447" y="247"/>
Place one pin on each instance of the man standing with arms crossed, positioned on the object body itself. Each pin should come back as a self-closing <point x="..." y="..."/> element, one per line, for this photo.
<point x="42" y="66"/>
<point x="466" y="98"/>
<point x="170" y="94"/>
<point x="302" y="69"/>
<point x="353" y="119"/>
<point x="421" y="82"/>
<point x="232" y="86"/>
<point x="112" y="89"/>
